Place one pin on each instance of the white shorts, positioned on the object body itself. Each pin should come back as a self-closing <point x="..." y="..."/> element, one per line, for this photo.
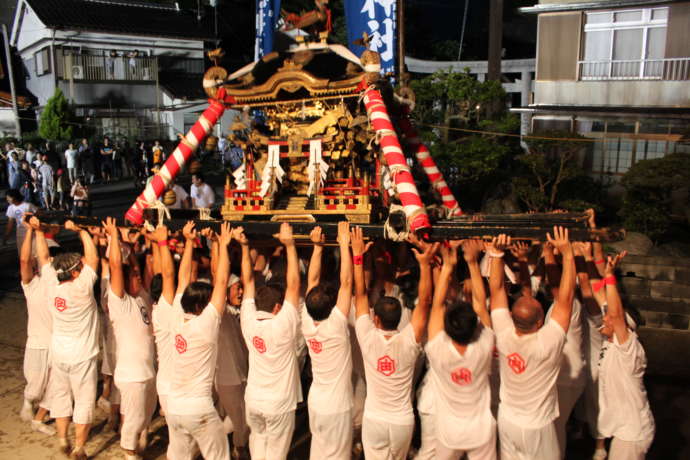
<point x="485" y="452"/>
<point x="519" y="443"/>
<point x="385" y="441"/>
<point x="232" y="400"/>
<point x="331" y="435"/>
<point x="628" y="450"/>
<point x="73" y="382"/>
<point x="270" y="435"/>
<point x="428" y="438"/>
<point x="204" y="429"/>
<point x="163" y="400"/>
<point x="36" y="373"/>
<point x="138" y="404"/>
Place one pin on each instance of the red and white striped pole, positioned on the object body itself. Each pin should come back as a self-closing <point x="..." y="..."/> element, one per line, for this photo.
<point x="177" y="159"/>
<point x="404" y="183"/>
<point x="429" y="165"/>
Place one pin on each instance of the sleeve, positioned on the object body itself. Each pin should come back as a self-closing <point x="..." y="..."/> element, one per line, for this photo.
<point x="288" y="319"/>
<point x="408" y="336"/>
<point x="363" y="327"/>
<point x="183" y="194"/>
<point x="248" y="309"/>
<point x="501" y="320"/>
<point x="631" y="354"/>
<point x="9" y="213"/>
<point x="87" y="277"/>
<point x="552" y="338"/>
<point x="192" y="192"/>
<point x="31" y="286"/>
<point x="210" y="322"/>
<point x="433" y="344"/>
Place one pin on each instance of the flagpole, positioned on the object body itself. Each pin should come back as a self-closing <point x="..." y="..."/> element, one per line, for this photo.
<point x="401" y="39"/>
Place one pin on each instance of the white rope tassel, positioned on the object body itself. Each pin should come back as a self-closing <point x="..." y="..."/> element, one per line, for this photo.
<point x="388" y="230"/>
<point x="272" y="170"/>
<point x="163" y="213"/>
<point x="240" y="177"/>
<point x="316" y="163"/>
<point x="204" y="214"/>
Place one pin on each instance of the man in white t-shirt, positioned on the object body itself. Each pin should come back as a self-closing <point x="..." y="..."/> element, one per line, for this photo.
<point x="16" y="208"/>
<point x="129" y="309"/>
<point x="71" y="155"/>
<point x="39" y="328"/>
<point x="202" y="193"/>
<point x="530" y="353"/>
<point x="389" y="358"/>
<point x="460" y="352"/>
<point x="191" y="415"/>
<point x="269" y="327"/>
<point x="74" y="342"/>
<point x="326" y="332"/>
<point x="624" y="412"/>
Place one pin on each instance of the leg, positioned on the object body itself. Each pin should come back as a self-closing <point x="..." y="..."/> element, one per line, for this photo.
<point x="400" y="439"/>
<point x="331" y="435"/>
<point x="36" y="371"/>
<point x="258" y="438"/>
<point x="485" y="452"/>
<point x="427" y="448"/>
<point x="279" y="429"/>
<point x="61" y="404"/>
<point x="134" y="411"/>
<point x="209" y="434"/>
<point x="181" y="444"/>
<point x="628" y="450"/>
<point x="446" y="453"/>
<point x="83" y="380"/>
<point x="232" y="400"/>
<point x="375" y="439"/>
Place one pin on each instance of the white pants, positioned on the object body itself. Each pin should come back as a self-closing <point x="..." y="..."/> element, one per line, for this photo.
<point x="138" y="404"/>
<point x="36" y="373"/>
<point x="484" y="452"/>
<point x="74" y="382"/>
<point x="163" y="400"/>
<point x="628" y="450"/>
<point x="567" y="397"/>
<point x="519" y="443"/>
<point x="270" y="434"/>
<point x="385" y="441"/>
<point x="331" y="436"/>
<point x="232" y="400"/>
<point x="204" y="429"/>
<point x="359" y="394"/>
<point x="428" y="442"/>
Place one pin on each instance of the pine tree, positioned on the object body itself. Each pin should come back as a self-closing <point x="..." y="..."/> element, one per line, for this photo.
<point x="55" y="119"/>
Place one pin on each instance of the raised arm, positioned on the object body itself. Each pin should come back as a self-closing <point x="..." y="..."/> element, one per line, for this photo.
<point x="90" y="252"/>
<point x="248" y="284"/>
<point x="551" y="269"/>
<point x="495" y="250"/>
<point x="449" y="254"/>
<point x="471" y="250"/>
<point x="117" y="281"/>
<point x="420" y="314"/>
<point x="615" y="311"/>
<point x="293" y="279"/>
<point x="563" y="304"/>
<point x="42" y="251"/>
<point x="26" y="270"/>
<point x="599" y="256"/>
<point x="314" y="274"/>
<point x="344" y="302"/>
<point x="184" y="275"/>
<point x="591" y="306"/>
<point x="520" y="251"/>
<point x="359" y="248"/>
<point x="220" y="281"/>
<point x="167" y="266"/>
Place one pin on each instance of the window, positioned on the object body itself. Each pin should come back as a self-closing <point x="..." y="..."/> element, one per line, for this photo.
<point x="42" y="61"/>
<point x="626" y="44"/>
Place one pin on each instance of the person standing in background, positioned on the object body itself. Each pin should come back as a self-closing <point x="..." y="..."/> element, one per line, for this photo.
<point x="71" y="155"/>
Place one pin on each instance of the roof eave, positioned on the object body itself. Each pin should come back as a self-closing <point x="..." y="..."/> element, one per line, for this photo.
<point x="561" y="7"/>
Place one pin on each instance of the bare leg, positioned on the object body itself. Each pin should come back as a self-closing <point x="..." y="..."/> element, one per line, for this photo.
<point x="41" y="414"/>
<point x="82" y="434"/>
<point x="62" y="424"/>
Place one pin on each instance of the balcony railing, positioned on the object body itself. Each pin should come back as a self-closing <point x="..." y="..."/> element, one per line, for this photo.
<point x="106" y="68"/>
<point x="638" y="69"/>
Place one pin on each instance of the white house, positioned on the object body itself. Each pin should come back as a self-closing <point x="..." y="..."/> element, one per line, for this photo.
<point x="119" y="62"/>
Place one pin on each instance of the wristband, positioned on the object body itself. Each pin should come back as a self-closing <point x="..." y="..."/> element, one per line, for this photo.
<point x="496" y="254"/>
<point x="162" y="243"/>
<point x="610" y="280"/>
<point x="357" y="260"/>
<point x="599" y="262"/>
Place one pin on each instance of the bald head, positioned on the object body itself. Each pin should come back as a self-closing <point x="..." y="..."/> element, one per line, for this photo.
<point x="528" y="314"/>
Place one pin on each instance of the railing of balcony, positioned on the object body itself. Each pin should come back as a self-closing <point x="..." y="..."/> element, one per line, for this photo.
<point x="638" y="69"/>
<point x="105" y="68"/>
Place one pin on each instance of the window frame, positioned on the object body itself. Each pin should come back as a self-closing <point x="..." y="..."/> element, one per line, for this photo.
<point x="47" y="68"/>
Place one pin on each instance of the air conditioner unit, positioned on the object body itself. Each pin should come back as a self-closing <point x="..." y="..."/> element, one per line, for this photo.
<point x="77" y="72"/>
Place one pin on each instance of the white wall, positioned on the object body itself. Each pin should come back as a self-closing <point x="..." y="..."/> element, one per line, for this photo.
<point x="639" y="93"/>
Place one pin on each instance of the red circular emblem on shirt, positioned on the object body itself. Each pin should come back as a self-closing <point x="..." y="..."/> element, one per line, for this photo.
<point x="180" y="344"/>
<point x="516" y="363"/>
<point x="386" y="365"/>
<point x="259" y="344"/>
<point x="461" y="376"/>
<point x="60" y="304"/>
<point x="315" y="345"/>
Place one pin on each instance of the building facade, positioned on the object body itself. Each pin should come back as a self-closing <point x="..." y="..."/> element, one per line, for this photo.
<point x="119" y="63"/>
<point x="617" y="71"/>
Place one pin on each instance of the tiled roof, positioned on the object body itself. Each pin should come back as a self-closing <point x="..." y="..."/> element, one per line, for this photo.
<point x="125" y="17"/>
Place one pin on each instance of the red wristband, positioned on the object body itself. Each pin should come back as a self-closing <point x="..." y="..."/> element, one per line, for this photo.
<point x="599" y="262"/>
<point x="357" y="260"/>
<point x="610" y="280"/>
<point x="162" y="243"/>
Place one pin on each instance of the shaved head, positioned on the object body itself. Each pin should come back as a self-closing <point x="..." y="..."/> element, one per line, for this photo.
<point x="527" y="314"/>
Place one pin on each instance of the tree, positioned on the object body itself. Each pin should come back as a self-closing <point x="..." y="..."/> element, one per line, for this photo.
<point x="649" y="187"/>
<point x="547" y="164"/>
<point x="56" y="118"/>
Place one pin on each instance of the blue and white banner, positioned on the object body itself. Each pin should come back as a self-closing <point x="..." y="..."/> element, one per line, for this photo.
<point x="378" y="19"/>
<point x="267" y="15"/>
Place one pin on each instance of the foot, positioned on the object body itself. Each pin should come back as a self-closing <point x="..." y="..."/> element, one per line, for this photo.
<point x="357" y="450"/>
<point x="41" y="427"/>
<point x="132" y="456"/>
<point x="240" y="453"/>
<point x="27" y="412"/>
<point x="79" y="454"/>
<point x="143" y="441"/>
<point x="103" y="404"/>
<point x="64" y="446"/>
<point x="599" y="454"/>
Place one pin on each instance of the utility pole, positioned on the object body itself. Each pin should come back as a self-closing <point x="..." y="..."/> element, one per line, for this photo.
<point x="495" y="39"/>
<point x="10" y="74"/>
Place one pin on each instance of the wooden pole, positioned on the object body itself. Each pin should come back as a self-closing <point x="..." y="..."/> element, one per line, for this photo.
<point x="401" y="39"/>
<point x="495" y="39"/>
